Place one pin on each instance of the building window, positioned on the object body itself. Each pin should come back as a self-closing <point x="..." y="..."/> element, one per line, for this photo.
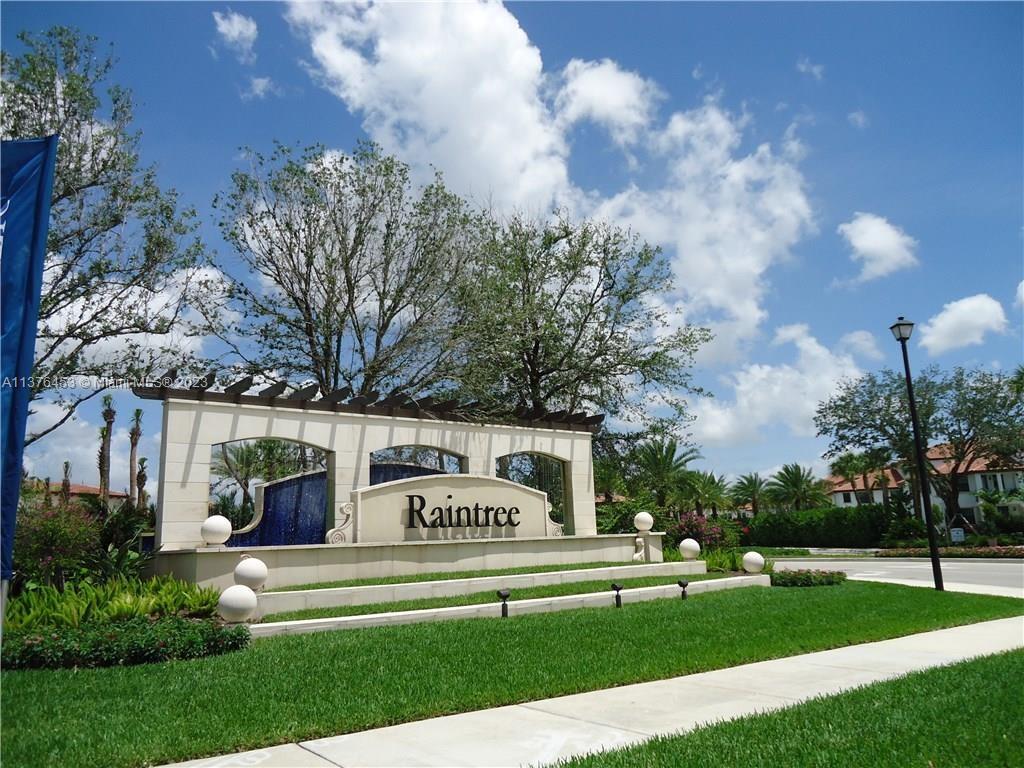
<point x="962" y="483"/>
<point x="990" y="482"/>
<point x="846" y="498"/>
<point x="864" y="497"/>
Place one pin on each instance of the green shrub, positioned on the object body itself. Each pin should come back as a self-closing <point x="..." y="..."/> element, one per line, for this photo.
<point x="617" y="517"/>
<point x="112" y="601"/>
<point x="709" y="532"/>
<point x="135" y="641"/>
<point x="987" y="552"/>
<point x="807" y="578"/>
<point x="854" y="527"/>
<point x="904" y="528"/>
<point x="53" y="541"/>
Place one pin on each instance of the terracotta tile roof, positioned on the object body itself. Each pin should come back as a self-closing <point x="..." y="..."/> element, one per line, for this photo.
<point x="841" y="485"/>
<point x="78" y="489"/>
<point x="939" y="456"/>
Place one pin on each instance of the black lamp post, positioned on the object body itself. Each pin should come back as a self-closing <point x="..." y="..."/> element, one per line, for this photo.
<point x="902" y="329"/>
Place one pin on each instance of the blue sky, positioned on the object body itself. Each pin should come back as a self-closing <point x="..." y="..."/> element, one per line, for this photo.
<point x="812" y="171"/>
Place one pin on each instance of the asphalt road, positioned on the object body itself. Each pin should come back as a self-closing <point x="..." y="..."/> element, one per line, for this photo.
<point x="997" y="576"/>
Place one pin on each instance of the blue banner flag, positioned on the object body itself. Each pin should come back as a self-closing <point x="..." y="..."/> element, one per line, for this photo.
<point x="26" y="182"/>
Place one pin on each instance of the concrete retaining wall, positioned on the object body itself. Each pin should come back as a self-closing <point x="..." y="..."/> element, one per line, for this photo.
<point x="515" y="608"/>
<point x="278" y="602"/>
<point x="314" y="563"/>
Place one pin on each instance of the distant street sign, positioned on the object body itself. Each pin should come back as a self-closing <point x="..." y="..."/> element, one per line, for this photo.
<point x="957" y="534"/>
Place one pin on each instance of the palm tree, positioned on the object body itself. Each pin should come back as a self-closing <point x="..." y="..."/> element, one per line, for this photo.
<point x="795" y="487"/>
<point x="140" y="484"/>
<point x="134" y="435"/>
<point x="106" y="433"/>
<point x="660" y="464"/>
<point x="240" y="462"/>
<point x="749" y="489"/>
<point x="706" y="490"/>
<point x="849" y="466"/>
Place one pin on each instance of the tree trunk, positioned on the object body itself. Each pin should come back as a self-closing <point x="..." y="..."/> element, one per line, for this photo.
<point x="133" y="479"/>
<point x="109" y="414"/>
<point x="104" y="466"/>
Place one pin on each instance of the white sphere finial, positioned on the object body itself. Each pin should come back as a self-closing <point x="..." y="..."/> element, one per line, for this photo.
<point x="251" y="572"/>
<point x="236" y="604"/>
<point x="753" y="562"/>
<point x="216" y="529"/>
<point x="643" y="521"/>
<point x="689" y="549"/>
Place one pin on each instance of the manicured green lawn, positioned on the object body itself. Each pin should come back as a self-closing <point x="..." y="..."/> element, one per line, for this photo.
<point x="297" y="687"/>
<point x="968" y="714"/>
<point x="446" y="576"/>
<point x="479" y="598"/>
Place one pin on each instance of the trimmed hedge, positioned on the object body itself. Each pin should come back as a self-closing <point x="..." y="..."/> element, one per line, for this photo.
<point x="807" y="578"/>
<point x="122" y="643"/>
<point x="988" y="552"/>
<point x="853" y="527"/>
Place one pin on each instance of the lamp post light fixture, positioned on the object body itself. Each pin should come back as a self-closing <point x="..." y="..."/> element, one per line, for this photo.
<point x="901" y="330"/>
<point x="618" y="595"/>
<point x="504" y="595"/>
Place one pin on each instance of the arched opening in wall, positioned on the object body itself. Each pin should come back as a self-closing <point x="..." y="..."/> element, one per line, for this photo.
<point x="401" y="462"/>
<point x="273" y="491"/>
<point x="539" y="471"/>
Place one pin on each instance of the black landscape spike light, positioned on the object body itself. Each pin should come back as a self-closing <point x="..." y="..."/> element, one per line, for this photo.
<point x="618" y="594"/>
<point x="504" y="595"/>
<point x="683" y="584"/>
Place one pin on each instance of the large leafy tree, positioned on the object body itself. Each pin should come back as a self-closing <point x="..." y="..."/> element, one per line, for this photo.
<point x="965" y="414"/>
<point x="795" y="487"/>
<point x="122" y="264"/>
<point x="352" y="274"/>
<point x="871" y="412"/>
<point x="564" y="315"/>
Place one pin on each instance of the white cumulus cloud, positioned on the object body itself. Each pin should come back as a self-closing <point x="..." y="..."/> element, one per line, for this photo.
<point x="239" y="33"/>
<point x="806" y="67"/>
<point x="499" y="127"/>
<point x="862" y="344"/>
<point x="1019" y="302"/>
<point x="963" y="323"/>
<point x="725" y="216"/>
<point x="881" y="247"/>
<point x="621" y="101"/>
<point x="784" y="395"/>
<point x="455" y="85"/>
<point x="260" y="88"/>
<point x="858" y="119"/>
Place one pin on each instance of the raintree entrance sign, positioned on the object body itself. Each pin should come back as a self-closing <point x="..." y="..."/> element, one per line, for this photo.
<point x="445" y="507"/>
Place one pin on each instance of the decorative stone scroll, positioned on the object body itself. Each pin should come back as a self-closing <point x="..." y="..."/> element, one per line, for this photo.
<point x="343" y="521"/>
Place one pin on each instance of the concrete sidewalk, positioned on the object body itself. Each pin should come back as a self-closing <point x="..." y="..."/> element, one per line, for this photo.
<point x="542" y="732"/>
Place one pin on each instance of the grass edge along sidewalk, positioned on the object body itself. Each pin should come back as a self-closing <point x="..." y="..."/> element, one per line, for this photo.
<point x="891" y="724"/>
<point x="293" y="688"/>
